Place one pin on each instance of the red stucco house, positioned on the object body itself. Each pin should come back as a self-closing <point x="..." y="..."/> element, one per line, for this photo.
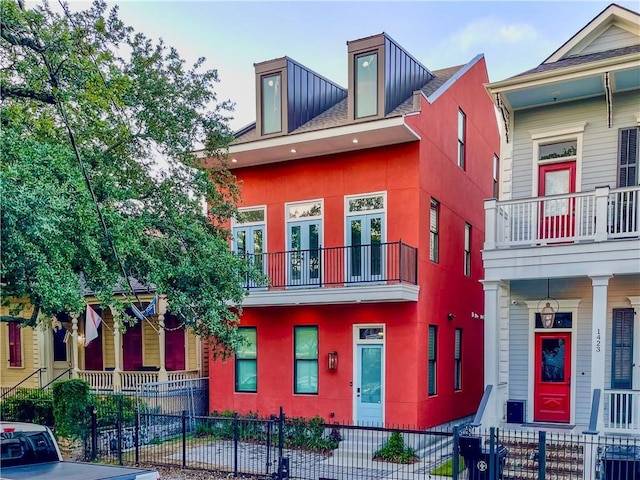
<point x="364" y="208"/>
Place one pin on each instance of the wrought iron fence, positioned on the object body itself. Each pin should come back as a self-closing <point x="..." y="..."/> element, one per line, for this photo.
<point x="279" y="447"/>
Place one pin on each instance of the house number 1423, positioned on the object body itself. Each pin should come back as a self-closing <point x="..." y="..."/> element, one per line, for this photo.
<point x="598" y="340"/>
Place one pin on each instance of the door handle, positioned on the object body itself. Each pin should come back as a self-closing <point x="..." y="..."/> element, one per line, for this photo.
<point x="358" y="392"/>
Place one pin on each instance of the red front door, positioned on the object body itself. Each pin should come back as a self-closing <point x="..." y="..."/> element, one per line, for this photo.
<point x="552" y="389"/>
<point x="557" y="215"/>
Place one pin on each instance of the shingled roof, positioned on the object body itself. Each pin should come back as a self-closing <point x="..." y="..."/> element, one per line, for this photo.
<point x="337" y="115"/>
<point x="581" y="60"/>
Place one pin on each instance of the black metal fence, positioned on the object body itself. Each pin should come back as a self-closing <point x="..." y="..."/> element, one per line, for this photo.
<point x="393" y="262"/>
<point x="122" y="431"/>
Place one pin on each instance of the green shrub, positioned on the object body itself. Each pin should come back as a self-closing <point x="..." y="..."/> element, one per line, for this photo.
<point x="71" y="401"/>
<point x="28" y="405"/>
<point x="107" y="407"/>
<point x="395" y="451"/>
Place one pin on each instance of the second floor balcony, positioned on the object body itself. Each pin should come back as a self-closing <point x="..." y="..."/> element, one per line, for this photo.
<point x="378" y="272"/>
<point x="549" y="236"/>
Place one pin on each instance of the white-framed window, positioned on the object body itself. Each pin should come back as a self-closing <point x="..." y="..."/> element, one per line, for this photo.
<point x="467" y="249"/>
<point x="365" y="237"/>
<point x="432" y="361"/>
<point x="462" y="138"/>
<point x="247" y="361"/>
<point x="434" y="226"/>
<point x="305" y="359"/>
<point x="457" y="360"/>
<point x="249" y="237"/>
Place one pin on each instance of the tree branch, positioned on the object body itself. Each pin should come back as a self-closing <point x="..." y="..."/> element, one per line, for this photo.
<point x="19" y="41"/>
<point x="20" y="92"/>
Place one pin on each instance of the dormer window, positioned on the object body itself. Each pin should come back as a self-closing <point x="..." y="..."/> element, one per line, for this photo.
<point x="366" y="85"/>
<point x="271" y="104"/>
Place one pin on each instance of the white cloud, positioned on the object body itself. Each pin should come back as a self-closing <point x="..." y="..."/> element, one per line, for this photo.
<point x="492" y="31"/>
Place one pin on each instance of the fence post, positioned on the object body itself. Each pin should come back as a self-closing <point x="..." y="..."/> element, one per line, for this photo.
<point x="542" y="454"/>
<point x="269" y="444"/>
<point x="236" y="435"/>
<point x="119" y="429"/>
<point x="455" y="458"/>
<point x="493" y="474"/>
<point x="94" y="431"/>
<point x="184" y="438"/>
<point x="282" y="474"/>
<point x="136" y="431"/>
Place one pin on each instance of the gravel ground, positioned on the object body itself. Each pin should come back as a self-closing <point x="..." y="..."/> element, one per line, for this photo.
<point x="177" y="473"/>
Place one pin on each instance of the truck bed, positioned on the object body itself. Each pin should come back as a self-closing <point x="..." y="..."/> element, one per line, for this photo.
<point x="74" y="471"/>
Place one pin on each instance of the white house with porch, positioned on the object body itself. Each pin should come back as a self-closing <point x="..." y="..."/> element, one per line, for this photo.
<point x="562" y="247"/>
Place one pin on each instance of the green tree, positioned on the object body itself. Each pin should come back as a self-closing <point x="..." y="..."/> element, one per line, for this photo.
<point x="98" y="177"/>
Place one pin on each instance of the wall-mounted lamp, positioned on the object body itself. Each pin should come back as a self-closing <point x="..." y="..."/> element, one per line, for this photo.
<point x="450" y="316"/>
<point x="333" y="361"/>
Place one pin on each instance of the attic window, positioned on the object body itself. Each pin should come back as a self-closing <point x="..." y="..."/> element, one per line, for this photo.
<point x="271" y="104"/>
<point x="366" y="85"/>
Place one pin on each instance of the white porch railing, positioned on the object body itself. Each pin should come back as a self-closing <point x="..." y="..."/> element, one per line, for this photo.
<point x="97" y="380"/>
<point x="130" y="380"/>
<point x="598" y="215"/>
<point x="621" y="411"/>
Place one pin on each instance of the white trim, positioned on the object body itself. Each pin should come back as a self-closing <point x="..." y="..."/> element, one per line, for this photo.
<point x="288" y="222"/>
<point x="540" y="139"/>
<point x="635" y="304"/>
<point x="569" y="305"/>
<point x="333" y="296"/>
<point x="637" y="115"/>
<point x="382" y="193"/>
<point x="612" y="15"/>
<point x="326" y="133"/>
<point x="234" y="221"/>
<point x="354" y="348"/>
<point x="558" y="130"/>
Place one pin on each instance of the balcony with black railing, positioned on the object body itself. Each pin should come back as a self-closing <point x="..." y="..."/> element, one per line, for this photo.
<point x="372" y="272"/>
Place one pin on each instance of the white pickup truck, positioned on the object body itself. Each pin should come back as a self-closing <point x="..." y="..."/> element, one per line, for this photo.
<point x="30" y="452"/>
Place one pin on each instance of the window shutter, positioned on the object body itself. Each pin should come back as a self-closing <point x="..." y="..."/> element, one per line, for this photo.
<point x="15" y="345"/>
<point x="621" y="374"/>
<point x="628" y="158"/>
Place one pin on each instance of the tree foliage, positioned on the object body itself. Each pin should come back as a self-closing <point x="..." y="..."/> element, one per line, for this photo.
<point x="88" y="108"/>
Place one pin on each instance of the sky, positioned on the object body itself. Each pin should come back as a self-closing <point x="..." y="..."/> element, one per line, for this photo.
<point x="514" y="36"/>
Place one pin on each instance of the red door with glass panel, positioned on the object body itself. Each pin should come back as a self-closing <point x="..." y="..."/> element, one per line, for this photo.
<point x="552" y="389"/>
<point x="557" y="215"/>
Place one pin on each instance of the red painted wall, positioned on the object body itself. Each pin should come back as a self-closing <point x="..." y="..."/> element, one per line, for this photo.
<point x="410" y="174"/>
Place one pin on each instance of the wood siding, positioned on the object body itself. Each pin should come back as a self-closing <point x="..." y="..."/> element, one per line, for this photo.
<point x="519" y="333"/>
<point x="600" y="143"/>
<point x="612" y="38"/>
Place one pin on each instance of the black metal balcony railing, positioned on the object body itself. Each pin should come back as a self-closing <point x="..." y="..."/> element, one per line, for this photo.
<point x="383" y="263"/>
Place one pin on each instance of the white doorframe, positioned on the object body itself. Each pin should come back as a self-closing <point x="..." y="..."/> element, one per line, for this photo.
<point x="357" y="341"/>
<point x="564" y="306"/>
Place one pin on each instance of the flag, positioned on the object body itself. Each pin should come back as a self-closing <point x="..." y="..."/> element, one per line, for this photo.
<point x="92" y="322"/>
<point x="147" y="312"/>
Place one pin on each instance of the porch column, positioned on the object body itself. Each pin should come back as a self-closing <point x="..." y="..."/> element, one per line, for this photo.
<point x="74" y="345"/>
<point x="493" y="411"/>
<point x="162" y="310"/>
<point x="600" y="284"/>
<point x="117" y="353"/>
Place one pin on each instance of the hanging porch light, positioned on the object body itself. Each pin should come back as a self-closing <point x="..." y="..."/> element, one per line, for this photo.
<point x="547" y="311"/>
